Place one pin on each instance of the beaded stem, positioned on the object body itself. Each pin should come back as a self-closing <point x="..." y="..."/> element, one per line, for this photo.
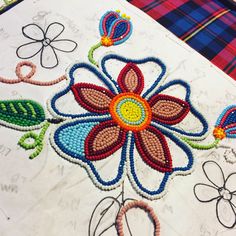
<point x="91" y="51"/>
<point x="28" y="78"/>
<point x="201" y="146"/>
<point x="38" y="141"/>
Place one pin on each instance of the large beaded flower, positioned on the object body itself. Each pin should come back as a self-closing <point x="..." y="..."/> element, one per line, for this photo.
<point x="125" y="125"/>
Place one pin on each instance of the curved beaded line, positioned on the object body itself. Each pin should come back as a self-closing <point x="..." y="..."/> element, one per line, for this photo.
<point x="137" y="204"/>
<point x="90" y="168"/>
<point x="27" y="78"/>
<point x="108" y="57"/>
<point x="70" y="71"/>
<point x="177" y="171"/>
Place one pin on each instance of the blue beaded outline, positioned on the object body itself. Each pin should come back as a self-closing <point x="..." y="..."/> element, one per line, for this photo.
<point x="79" y="159"/>
<point x="167" y="175"/>
<point x="136" y="61"/>
<point x="196" y="113"/>
<point x="93" y="70"/>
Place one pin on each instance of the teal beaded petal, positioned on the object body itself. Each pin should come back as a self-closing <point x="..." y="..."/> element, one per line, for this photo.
<point x="71" y="137"/>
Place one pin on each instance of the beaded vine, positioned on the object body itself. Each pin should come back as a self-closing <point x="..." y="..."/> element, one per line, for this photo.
<point x="28" y="77"/>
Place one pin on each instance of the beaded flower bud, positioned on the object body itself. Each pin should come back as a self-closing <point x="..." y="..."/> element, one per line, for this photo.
<point x="114" y="28"/>
<point x="226" y="124"/>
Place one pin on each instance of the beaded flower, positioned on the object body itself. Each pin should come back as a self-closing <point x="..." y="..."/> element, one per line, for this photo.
<point x="226" y="123"/>
<point x="222" y="190"/>
<point x="114" y="28"/>
<point x="46" y="43"/>
<point x="225" y="127"/>
<point x="125" y="122"/>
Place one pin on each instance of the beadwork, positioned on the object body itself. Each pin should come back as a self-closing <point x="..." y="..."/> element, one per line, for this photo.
<point x="225" y="127"/>
<point x="114" y="28"/>
<point x="122" y="117"/>
<point x="28" y="78"/>
<point x="21" y="114"/>
<point x="137" y="204"/>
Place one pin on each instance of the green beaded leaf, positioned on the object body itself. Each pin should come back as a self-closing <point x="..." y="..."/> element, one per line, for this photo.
<point x="22" y="113"/>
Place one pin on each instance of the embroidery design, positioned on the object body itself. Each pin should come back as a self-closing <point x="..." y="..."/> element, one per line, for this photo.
<point x="25" y="115"/>
<point x="47" y="43"/>
<point x="221" y="190"/>
<point x="117" y="208"/>
<point x="123" y="119"/>
<point x="225" y="127"/>
<point x="28" y="77"/>
<point x="114" y="28"/>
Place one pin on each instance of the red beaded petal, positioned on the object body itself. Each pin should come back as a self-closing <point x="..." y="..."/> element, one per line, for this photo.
<point x="131" y="79"/>
<point x="167" y="109"/>
<point x="103" y="140"/>
<point x="93" y="98"/>
<point x="153" y="148"/>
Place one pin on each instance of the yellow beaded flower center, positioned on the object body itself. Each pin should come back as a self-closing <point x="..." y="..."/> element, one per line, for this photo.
<point x="106" y="41"/>
<point x="130" y="111"/>
<point x="219" y="133"/>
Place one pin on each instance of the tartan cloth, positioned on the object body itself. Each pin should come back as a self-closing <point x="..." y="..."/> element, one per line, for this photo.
<point x="207" y="26"/>
<point x="5" y="5"/>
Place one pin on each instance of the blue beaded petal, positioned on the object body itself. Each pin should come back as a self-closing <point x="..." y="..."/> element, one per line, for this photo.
<point x="69" y="139"/>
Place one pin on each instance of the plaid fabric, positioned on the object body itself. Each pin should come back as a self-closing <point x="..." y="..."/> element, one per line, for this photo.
<point x="5" y="5"/>
<point x="207" y="26"/>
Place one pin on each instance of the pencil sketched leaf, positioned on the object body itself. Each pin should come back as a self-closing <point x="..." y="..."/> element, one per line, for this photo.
<point x="104" y="216"/>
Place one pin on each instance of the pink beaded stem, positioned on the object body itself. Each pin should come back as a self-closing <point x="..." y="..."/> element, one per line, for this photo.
<point x="137" y="204"/>
<point x="27" y="78"/>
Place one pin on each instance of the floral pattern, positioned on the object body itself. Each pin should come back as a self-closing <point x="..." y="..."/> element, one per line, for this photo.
<point x="124" y="118"/>
<point x="221" y="190"/>
<point x="46" y="43"/>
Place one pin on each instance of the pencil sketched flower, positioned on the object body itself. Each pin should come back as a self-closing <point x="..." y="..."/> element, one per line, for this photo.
<point x="45" y="43"/>
<point x="222" y="190"/>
